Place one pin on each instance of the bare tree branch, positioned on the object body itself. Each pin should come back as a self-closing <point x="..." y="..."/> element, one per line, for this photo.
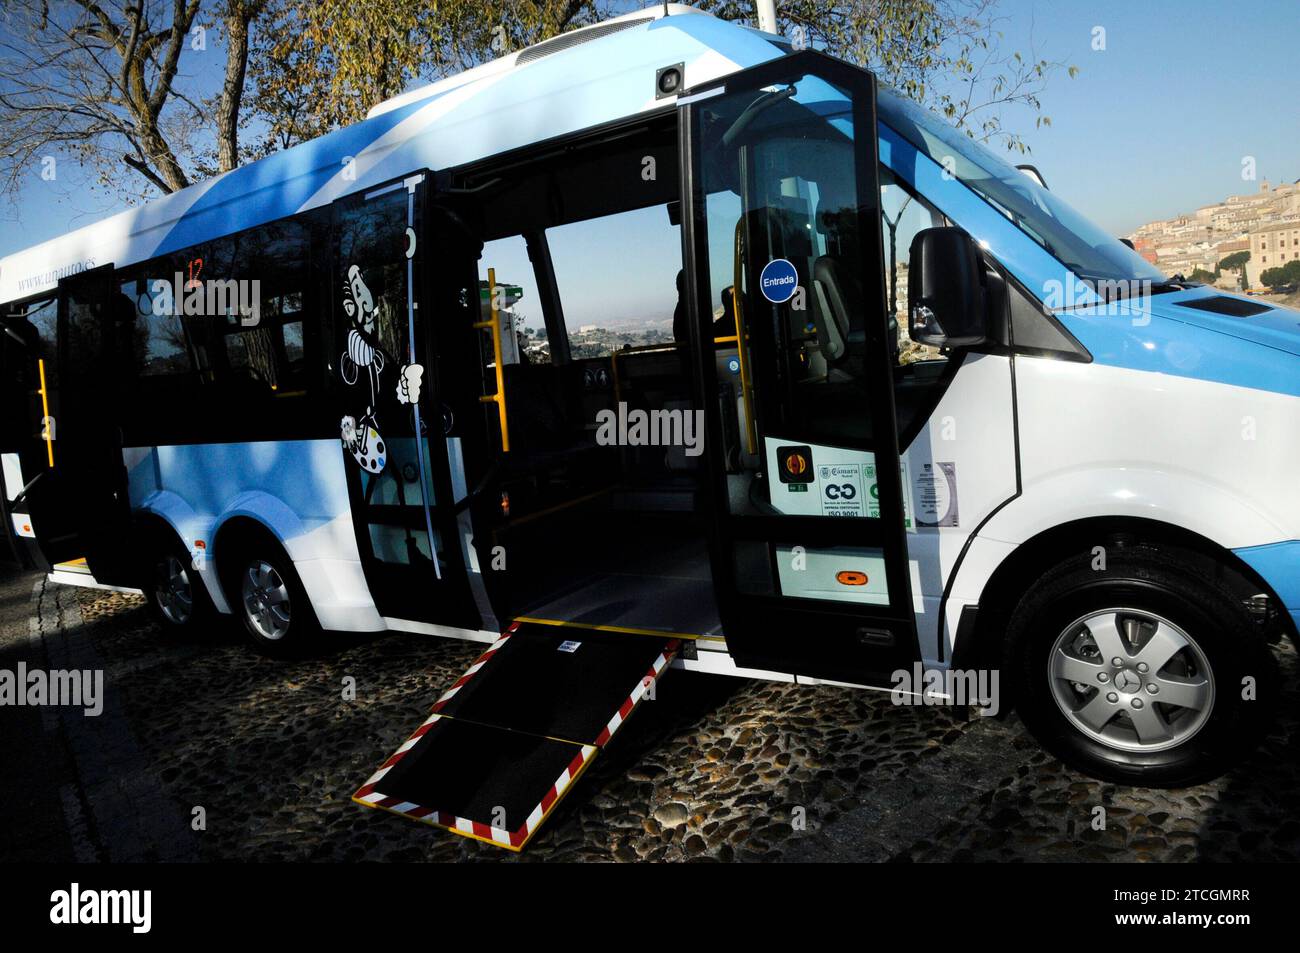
<point x="96" y="80"/>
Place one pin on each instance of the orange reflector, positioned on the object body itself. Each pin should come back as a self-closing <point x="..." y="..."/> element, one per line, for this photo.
<point x="505" y="503"/>
<point x="200" y="544"/>
<point x="851" y="577"/>
<point x="27" y="527"/>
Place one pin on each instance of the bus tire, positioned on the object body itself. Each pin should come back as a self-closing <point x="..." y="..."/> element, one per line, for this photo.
<point x="1146" y="672"/>
<point x="268" y="598"/>
<point x="176" y="596"/>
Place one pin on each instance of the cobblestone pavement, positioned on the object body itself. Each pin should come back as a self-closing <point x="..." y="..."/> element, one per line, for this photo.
<point x="713" y="769"/>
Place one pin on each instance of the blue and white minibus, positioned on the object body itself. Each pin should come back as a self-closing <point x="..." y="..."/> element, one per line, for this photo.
<point x="662" y="344"/>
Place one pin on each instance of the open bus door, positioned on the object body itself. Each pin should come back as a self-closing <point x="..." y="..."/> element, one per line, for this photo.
<point x="391" y="363"/>
<point x="19" y="357"/>
<point x="76" y="494"/>
<point x="781" y="194"/>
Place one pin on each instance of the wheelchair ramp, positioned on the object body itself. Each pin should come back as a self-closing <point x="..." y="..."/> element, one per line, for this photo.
<point x="510" y="737"/>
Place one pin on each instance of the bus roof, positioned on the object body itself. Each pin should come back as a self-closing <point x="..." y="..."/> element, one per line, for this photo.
<point x="585" y="78"/>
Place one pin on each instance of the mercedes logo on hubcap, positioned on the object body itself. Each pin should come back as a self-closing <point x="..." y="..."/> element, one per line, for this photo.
<point x="1127" y="680"/>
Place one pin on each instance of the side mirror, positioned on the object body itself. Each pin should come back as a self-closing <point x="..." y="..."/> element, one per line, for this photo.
<point x="945" y="289"/>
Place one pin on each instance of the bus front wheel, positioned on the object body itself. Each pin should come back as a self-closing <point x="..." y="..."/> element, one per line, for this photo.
<point x="1145" y="671"/>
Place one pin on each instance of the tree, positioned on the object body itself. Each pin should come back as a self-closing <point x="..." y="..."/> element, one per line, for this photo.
<point x="107" y="82"/>
<point x="97" y="80"/>
<point x="1203" y="276"/>
<point x="320" y="65"/>
<point x="1234" y="262"/>
<point x="238" y="17"/>
<point x="1282" y="276"/>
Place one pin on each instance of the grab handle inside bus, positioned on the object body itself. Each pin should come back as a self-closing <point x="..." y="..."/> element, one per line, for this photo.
<point x="493" y="324"/>
<point x="22" y="494"/>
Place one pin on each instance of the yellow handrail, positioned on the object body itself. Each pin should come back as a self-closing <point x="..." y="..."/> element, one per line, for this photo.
<point x="494" y="324"/>
<point x="45" y="414"/>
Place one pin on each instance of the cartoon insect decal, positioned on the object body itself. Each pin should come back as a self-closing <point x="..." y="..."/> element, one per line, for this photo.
<point x="364" y="355"/>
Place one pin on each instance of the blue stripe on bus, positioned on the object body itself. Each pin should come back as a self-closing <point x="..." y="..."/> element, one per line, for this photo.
<point x="277" y="186"/>
<point x="1279" y="565"/>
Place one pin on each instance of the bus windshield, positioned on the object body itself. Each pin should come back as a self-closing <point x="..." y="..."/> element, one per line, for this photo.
<point x="1076" y="242"/>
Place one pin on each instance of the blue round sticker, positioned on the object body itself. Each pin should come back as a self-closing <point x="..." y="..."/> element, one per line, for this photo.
<point x="779" y="281"/>
<point x="733" y="365"/>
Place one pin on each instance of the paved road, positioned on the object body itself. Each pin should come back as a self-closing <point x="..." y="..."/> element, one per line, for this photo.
<point x="261" y="757"/>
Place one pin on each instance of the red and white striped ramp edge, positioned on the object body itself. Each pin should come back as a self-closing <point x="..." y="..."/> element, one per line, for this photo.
<point x="472" y="670"/>
<point x="512" y="840"/>
<point x="638" y="693"/>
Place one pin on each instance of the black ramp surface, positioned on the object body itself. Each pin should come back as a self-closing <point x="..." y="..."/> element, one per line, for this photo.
<point x="473" y="771"/>
<point x="560" y="682"/>
<point x="680" y="604"/>
<point x="619" y="569"/>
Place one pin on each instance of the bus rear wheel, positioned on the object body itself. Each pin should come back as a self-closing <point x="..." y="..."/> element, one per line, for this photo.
<point x="1145" y="672"/>
<point x="265" y="593"/>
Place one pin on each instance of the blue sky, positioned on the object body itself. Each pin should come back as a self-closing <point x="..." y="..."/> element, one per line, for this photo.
<point x="1157" y="123"/>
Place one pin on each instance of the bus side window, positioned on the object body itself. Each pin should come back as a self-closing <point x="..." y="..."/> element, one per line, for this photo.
<point x="903" y="213"/>
<point x="218" y="338"/>
<point x="44" y="318"/>
<point x="160" y="348"/>
<point x="257" y="281"/>
<point x="918" y="368"/>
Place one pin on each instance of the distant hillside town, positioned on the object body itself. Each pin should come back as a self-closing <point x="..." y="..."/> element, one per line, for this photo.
<point x="1261" y="230"/>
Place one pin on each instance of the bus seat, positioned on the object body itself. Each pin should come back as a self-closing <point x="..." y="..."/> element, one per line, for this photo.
<point x="836" y="293"/>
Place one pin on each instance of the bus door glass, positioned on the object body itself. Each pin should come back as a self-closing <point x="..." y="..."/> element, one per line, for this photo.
<point x="784" y="244"/>
<point x="388" y="406"/>
<point x="79" y="506"/>
<point x="27" y="349"/>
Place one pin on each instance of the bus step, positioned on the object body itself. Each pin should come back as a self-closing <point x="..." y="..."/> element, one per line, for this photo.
<point x="510" y="737"/>
<point x="73" y="565"/>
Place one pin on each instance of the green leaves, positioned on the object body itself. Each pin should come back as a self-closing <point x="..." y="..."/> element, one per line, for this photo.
<point x="321" y="65"/>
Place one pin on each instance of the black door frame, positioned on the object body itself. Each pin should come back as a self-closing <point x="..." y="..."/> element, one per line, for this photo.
<point x="414" y="592"/>
<point x="826" y="639"/>
<point x="80" y="507"/>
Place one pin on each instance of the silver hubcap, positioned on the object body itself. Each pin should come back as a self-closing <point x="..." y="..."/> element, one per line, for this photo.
<point x="1131" y="680"/>
<point x="266" y="600"/>
<point x="173" y="591"/>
